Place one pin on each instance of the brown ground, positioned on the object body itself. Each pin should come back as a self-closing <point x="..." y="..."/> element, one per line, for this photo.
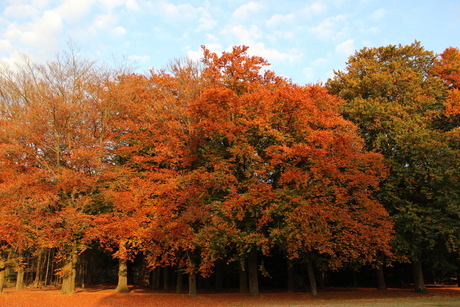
<point x="103" y="296"/>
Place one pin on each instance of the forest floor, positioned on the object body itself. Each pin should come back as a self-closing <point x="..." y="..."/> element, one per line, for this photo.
<point x="103" y="296"/>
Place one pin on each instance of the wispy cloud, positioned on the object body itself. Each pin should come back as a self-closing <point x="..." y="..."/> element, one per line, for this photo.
<point x="74" y="11"/>
<point x="329" y="27"/>
<point x="247" y="11"/>
<point x="346" y="48"/>
<point x="278" y="20"/>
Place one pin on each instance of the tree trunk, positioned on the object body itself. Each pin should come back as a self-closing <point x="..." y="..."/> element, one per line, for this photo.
<point x="312" y="279"/>
<point x="144" y="273"/>
<point x="381" y="285"/>
<point x="122" y="286"/>
<point x="69" y="272"/>
<point x="2" y="272"/>
<point x="38" y="269"/>
<point x="82" y="272"/>
<point x="219" y="273"/>
<point x="49" y="261"/>
<point x="179" y="281"/>
<point x="458" y="269"/>
<point x="253" y="273"/>
<point x="243" y="280"/>
<point x="419" y="282"/>
<point x="20" y="272"/>
<point x="322" y="279"/>
<point x="291" y="278"/>
<point x="20" y="278"/>
<point x="52" y="276"/>
<point x="192" y="285"/>
<point x="165" y="279"/>
<point x="156" y="278"/>
<point x="207" y="283"/>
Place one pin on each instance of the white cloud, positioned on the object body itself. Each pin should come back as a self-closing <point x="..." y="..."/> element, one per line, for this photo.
<point x="273" y="55"/>
<point x="104" y="21"/>
<point x="171" y="11"/>
<point x="246" y="10"/>
<point x="118" y="31"/>
<point x="244" y="35"/>
<point x="313" y="9"/>
<point x="22" y="11"/>
<point x="329" y="27"/>
<point x="319" y="62"/>
<point x="206" y="22"/>
<point x="251" y="36"/>
<point x="109" y="5"/>
<point x="379" y="14"/>
<point x="5" y="46"/>
<point x="282" y="34"/>
<point x="346" y="48"/>
<point x="132" y="5"/>
<point x="196" y="55"/>
<point x="277" y="20"/>
<point x="211" y="38"/>
<point x="40" y="37"/>
<point x="44" y="33"/>
<point x="39" y="4"/>
<point x="13" y="31"/>
<point x="74" y="10"/>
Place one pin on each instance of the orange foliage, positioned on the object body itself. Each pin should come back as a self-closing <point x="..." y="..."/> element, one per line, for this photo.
<point x="190" y="166"/>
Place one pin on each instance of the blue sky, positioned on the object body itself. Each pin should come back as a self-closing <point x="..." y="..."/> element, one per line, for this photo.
<point x="303" y="40"/>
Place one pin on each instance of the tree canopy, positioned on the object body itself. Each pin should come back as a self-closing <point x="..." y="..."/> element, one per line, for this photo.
<point x="397" y="97"/>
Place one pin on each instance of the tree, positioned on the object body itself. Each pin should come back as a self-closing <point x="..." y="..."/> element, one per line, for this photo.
<point x="53" y="127"/>
<point x="230" y="123"/>
<point x="279" y="162"/>
<point x="325" y="211"/>
<point x="397" y="103"/>
<point x="154" y="153"/>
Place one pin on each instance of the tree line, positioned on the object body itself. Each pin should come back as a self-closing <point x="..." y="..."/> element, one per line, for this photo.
<point x="222" y="163"/>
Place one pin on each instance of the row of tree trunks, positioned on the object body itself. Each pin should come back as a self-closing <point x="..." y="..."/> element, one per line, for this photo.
<point x="248" y="282"/>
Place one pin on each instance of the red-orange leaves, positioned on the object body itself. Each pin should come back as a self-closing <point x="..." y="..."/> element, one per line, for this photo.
<point x="324" y="185"/>
<point x="448" y="67"/>
<point x="453" y="103"/>
<point x="300" y="176"/>
<point x="217" y="111"/>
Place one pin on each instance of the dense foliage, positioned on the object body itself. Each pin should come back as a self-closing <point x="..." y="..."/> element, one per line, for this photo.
<point x="224" y="164"/>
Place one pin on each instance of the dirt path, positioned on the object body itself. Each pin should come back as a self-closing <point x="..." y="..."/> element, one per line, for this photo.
<point x="104" y="297"/>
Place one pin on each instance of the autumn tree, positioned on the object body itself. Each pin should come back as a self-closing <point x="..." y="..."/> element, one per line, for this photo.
<point x="231" y="123"/>
<point x="151" y="189"/>
<point x="325" y="212"/>
<point x="279" y="162"/>
<point x="53" y="125"/>
<point x="397" y="103"/>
